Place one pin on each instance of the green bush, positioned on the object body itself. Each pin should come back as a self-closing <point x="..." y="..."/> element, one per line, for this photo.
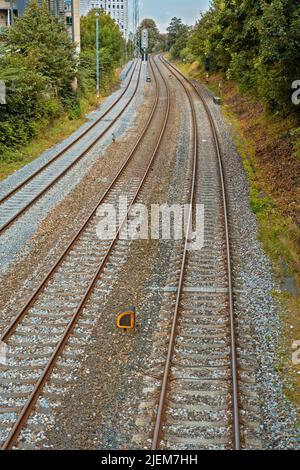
<point x="295" y="134"/>
<point x="52" y="108"/>
<point x="38" y="63"/>
<point x="256" y="43"/>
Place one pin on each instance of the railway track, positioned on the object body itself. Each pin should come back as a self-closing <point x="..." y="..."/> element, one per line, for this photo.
<point x="20" y="198"/>
<point x="198" y="405"/>
<point x="56" y="315"/>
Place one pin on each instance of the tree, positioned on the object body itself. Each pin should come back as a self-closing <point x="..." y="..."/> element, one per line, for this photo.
<point x="39" y="34"/>
<point x="177" y="36"/>
<point x="253" y="42"/>
<point x="175" y="30"/>
<point x="111" y="52"/>
<point x="278" y="64"/>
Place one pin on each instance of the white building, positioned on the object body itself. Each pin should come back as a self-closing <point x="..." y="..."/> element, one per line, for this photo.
<point x="118" y="9"/>
<point x="67" y="10"/>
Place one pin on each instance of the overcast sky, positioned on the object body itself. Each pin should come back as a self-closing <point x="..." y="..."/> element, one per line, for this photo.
<point x="163" y="10"/>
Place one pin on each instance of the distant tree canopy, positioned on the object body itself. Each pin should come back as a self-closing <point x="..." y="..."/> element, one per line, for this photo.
<point x="177" y="36"/>
<point x="253" y="42"/>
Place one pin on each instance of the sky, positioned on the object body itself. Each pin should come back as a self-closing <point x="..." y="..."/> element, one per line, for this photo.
<point x="163" y="10"/>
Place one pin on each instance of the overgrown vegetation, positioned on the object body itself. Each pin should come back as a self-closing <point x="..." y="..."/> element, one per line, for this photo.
<point x="253" y="42"/>
<point x="253" y="45"/>
<point x="45" y="78"/>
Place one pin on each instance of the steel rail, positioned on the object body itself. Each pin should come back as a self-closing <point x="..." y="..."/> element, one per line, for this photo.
<point x="71" y="144"/>
<point x="68" y="168"/>
<point x="30" y="403"/>
<point x="234" y="366"/>
<point x="235" y="393"/>
<point x="11" y="328"/>
<point x="170" y="352"/>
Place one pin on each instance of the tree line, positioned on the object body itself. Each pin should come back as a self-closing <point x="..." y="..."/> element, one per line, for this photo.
<point x="254" y="42"/>
<point x="39" y="65"/>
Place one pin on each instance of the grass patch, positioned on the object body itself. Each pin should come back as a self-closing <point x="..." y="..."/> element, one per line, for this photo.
<point x="50" y="136"/>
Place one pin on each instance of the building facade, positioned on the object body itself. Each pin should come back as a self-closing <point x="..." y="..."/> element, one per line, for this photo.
<point x="117" y="9"/>
<point x="6" y="8"/>
<point x="71" y="16"/>
<point x="67" y="10"/>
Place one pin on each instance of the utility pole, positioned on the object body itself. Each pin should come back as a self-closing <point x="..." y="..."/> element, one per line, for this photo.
<point x="97" y="57"/>
<point x="125" y="50"/>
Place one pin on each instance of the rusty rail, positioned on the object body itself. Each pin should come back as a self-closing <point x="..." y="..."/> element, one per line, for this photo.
<point x="80" y="156"/>
<point x="168" y="363"/>
<point x="31" y="401"/>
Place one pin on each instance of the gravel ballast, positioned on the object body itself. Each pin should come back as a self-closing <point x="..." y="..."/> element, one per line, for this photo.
<point x="111" y="372"/>
<point x="16" y="237"/>
<point x="256" y="306"/>
<point x="98" y="406"/>
<point x="57" y="229"/>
